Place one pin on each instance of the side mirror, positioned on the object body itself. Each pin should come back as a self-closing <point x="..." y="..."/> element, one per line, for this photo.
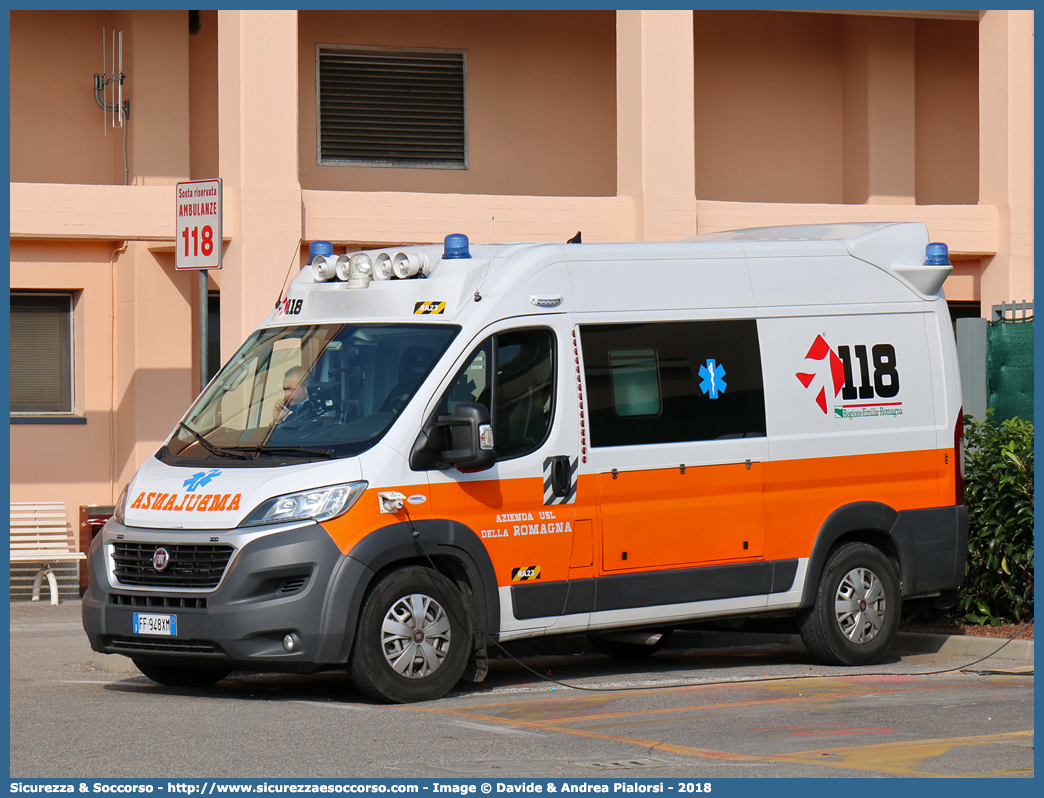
<point x="463" y="439"/>
<point x="470" y="438"/>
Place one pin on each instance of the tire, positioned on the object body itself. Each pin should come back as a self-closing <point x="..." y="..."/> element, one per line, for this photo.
<point x="616" y="645"/>
<point x="181" y="676"/>
<point x="857" y="607"/>
<point x="413" y="639"/>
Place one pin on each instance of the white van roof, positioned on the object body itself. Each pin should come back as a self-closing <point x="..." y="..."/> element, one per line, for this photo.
<point x="515" y="278"/>
<point x="894" y="246"/>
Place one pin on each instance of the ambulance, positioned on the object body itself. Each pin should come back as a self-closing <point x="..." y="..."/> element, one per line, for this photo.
<point x="426" y="451"/>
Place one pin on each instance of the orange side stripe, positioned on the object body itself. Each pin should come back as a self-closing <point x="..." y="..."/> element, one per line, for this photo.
<point x="778" y="520"/>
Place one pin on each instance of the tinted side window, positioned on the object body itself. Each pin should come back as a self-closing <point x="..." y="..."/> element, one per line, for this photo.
<point x="667" y="382"/>
<point x="517" y="368"/>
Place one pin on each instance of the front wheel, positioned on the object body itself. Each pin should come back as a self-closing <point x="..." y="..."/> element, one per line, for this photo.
<point x="180" y="676"/>
<point x="412" y="642"/>
<point x="857" y="606"/>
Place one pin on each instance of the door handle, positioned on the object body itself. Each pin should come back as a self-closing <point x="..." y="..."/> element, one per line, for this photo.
<point x="561" y="484"/>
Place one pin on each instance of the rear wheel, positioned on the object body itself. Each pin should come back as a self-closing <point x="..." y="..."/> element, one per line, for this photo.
<point x="412" y="642"/>
<point x="631" y="645"/>
<point x="181" y="676"/>
<point x="856" y="611"/>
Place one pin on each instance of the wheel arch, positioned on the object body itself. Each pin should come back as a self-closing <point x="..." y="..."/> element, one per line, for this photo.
<point x="867" y="522"/>
<point x="456" y="552"/>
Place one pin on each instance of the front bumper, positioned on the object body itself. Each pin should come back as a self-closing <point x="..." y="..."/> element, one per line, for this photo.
<point x="286" y="581"/>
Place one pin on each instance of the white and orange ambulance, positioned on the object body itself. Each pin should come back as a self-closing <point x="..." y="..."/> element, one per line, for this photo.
<point x="427" y="450"/>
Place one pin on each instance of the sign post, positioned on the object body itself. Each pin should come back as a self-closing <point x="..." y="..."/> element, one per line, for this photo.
<point x="197" y="245"/>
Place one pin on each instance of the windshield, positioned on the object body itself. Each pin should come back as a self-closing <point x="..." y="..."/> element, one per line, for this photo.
<point x="312" y="392"/>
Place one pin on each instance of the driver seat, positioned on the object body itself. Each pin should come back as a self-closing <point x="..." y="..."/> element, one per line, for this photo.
<point x="413" y="366"/>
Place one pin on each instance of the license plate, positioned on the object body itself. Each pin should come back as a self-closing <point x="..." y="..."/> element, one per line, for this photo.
<point x="155" y="624"/>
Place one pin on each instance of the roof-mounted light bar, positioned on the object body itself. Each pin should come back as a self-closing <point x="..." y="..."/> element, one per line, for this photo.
<point x="382" y="266"/>
<point x="410" y="264"/>
<point x="361" y="268"/>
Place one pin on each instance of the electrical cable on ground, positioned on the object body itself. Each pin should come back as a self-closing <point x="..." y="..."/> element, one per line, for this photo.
<point x="551" y="680"/>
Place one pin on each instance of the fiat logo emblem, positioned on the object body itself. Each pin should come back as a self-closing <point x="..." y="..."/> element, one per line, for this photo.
<point x="160" y="559"/>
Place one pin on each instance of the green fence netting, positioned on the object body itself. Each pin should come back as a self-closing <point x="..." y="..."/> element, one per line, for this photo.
<point x="1009" y="369"/>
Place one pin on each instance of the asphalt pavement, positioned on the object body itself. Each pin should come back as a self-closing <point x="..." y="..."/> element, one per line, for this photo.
<point x="712" y="704"/>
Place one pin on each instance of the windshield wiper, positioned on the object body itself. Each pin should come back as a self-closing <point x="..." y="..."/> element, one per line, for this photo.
<point x="220" y="452"/>
<point x="283" y="450"/>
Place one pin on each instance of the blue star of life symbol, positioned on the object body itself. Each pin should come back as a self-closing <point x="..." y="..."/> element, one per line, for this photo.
<point x="713" y="379"/>
<point x="197" y="481"/>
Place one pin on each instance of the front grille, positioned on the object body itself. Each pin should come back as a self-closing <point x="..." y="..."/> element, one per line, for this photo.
<point x="198" y="566"/>
<point x="174" y="646"/>
<point x="166" y="602"/>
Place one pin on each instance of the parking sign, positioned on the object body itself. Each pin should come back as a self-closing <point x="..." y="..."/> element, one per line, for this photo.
<point x="198" y="242"/>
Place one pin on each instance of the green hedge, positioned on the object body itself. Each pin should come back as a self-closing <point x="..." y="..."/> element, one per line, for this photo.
<point x="998" y="491"/>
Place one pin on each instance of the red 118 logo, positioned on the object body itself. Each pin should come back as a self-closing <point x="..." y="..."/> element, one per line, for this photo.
<point x="290" y="307"/>
<point x="885" y="381"/>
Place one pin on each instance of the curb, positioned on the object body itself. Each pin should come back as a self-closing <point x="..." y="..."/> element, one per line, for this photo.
<point x="951" y="645"/>
<point x="964" y="645"/>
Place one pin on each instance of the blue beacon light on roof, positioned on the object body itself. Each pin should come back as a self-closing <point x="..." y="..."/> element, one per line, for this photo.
<point x="936" y="254"/>
<point x="456" y="247"/>
<point x="324" y="248"/>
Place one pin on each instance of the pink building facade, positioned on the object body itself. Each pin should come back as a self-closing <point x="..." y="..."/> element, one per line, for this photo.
<point x="626" y="125"/>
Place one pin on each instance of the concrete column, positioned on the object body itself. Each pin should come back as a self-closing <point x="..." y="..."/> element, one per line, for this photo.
<point x="152" y="354"/>
<point x="1006" y="151"/>
<point x="878" y="119"/>
<point x="258" y="163"/>
<point x="156" y="62"/>
<point x="656" y="162"/>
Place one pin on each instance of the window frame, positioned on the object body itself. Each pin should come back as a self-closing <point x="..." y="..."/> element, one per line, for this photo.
<point x="385" y="163"/>
<point x="492" y="339"/>
<point x="67" y="357"/>
<point x="743" y="406"/>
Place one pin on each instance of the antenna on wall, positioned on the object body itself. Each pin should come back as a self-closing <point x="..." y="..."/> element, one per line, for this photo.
<point x="108" y="91"/>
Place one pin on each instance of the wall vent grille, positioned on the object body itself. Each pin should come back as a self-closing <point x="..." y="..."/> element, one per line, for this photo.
<point x="392" y="107"/>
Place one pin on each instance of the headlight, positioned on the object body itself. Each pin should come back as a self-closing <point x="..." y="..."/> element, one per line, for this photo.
<point x="318" y="504"/>
<point x="117" y="513"/>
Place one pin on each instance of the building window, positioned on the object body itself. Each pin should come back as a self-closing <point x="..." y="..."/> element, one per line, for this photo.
<point x="41" y="353"/>
<point x="669" y="382"/>
<point x="384" y="107"/>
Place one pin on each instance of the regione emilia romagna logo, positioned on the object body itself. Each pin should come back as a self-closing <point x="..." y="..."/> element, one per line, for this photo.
<point x="821" y="351"/>
<point x="834" y="371"/>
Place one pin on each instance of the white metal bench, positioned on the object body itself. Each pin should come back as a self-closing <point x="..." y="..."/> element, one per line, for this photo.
<point x="39" y="535"/>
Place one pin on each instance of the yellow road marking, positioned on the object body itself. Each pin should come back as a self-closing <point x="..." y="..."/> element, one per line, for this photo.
<point x="528" y="713"/>
<point x="899" y="758"/>
<point x="661" y="746"/>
